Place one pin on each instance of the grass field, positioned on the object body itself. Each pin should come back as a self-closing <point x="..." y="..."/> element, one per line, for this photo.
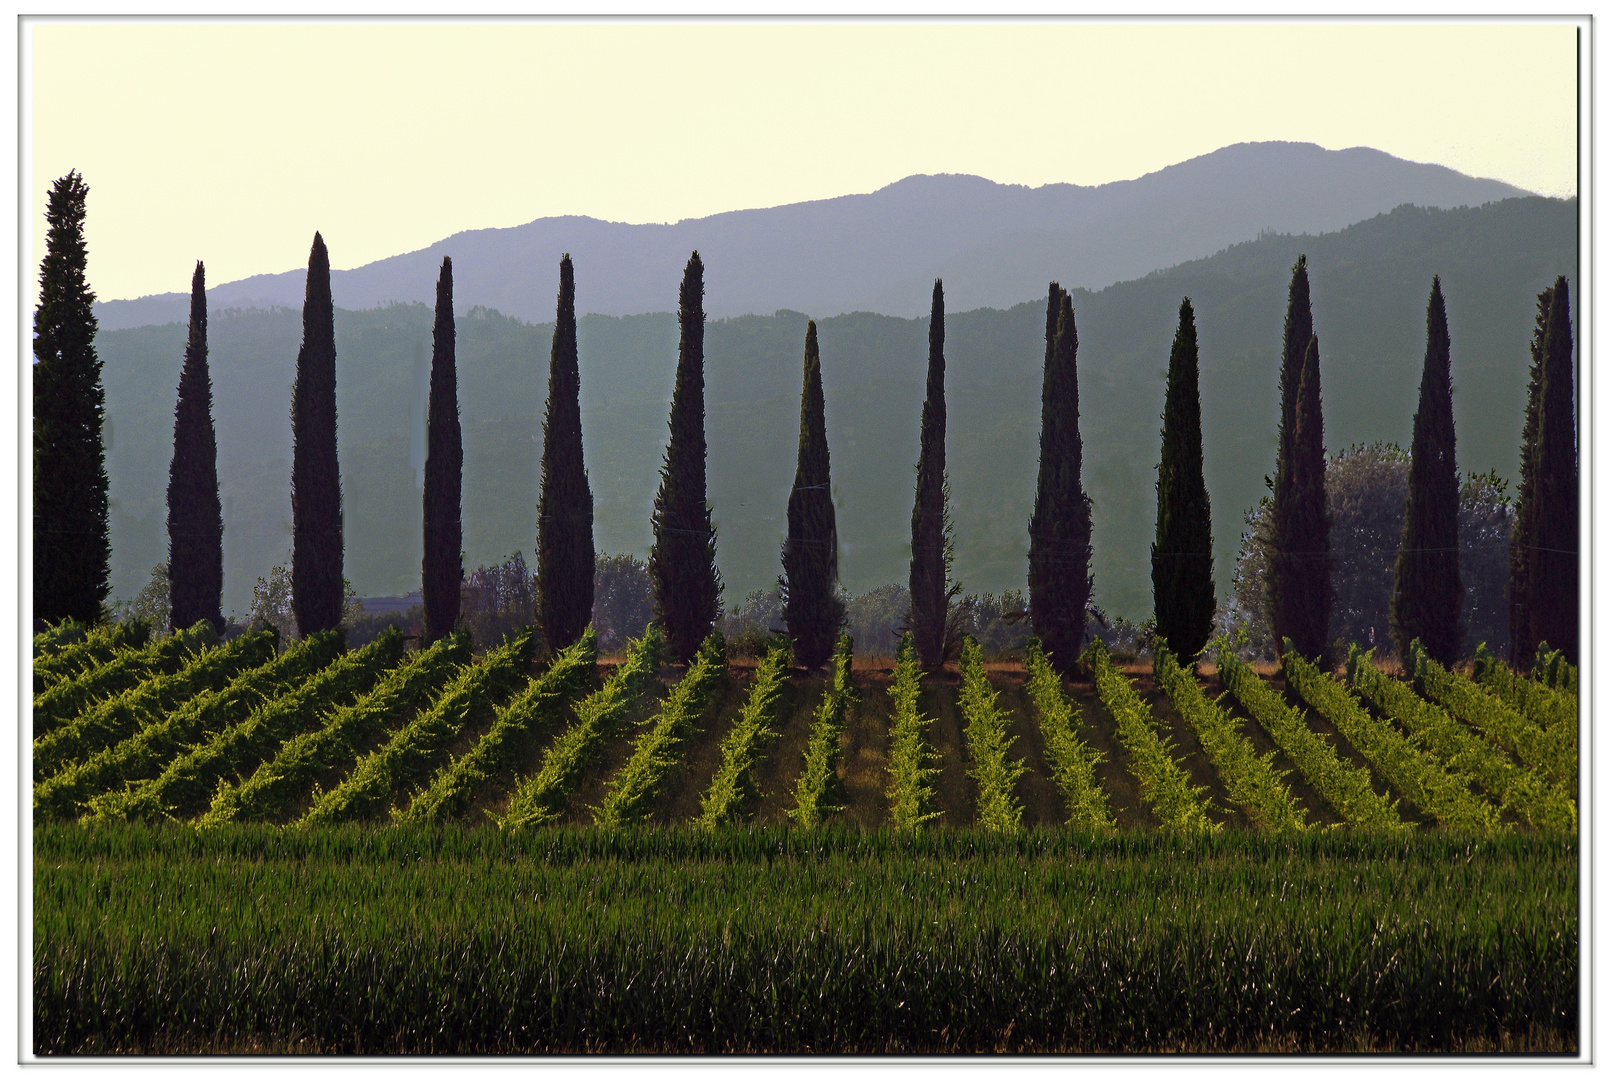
<point x="450" y="940"/>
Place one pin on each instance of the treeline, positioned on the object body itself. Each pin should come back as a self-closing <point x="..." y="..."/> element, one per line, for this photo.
<point x="1297" y="590"/>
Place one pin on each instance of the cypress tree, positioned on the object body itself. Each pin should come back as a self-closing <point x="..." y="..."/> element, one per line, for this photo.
<point x="1521" y="549"/>
<point x="930" y="546"/>
<point x="1554" y="612"/>
<point x="1284" y="594"/>
<point x="72" y="548"/>
<point x="443" y="475"/>
<point x="810" y="604"/>
<point x="565" y="557"/>
<point x="686" y="584"/>
<point x="1427" y="604"/>
<point x="1305" y="524"/>
<point x="1061" y="529"/>
<point x="316" y="582"/>
<point x="194" y="512"/>
<point x="1180" y="559"/>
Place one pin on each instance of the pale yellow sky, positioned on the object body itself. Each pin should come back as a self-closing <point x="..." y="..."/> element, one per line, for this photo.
<point x="232" y="141"/>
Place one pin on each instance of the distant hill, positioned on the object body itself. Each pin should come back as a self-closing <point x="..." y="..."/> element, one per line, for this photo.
<point x="993" y="244"/>
<point x="1370" y="285"/>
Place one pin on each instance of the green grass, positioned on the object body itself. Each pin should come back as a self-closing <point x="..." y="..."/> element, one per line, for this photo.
<point x="450" y="940"/>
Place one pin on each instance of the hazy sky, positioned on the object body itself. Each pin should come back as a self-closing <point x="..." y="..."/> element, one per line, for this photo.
<point x="232" y="141"/>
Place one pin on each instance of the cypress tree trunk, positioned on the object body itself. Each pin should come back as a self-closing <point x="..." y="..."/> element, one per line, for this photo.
<point x="194" y="512"/>
<point x="72" y="548"/>
<point x="1522" y="546"/>
<point x="316" y="581"/>
<point x="1061" y="529"/>
<point x="810" y="605"/>
<point x="1180" y="559"/>
<point x="1283" y="595"/>
<point x="1554" y="613"/>
<point x="686" y="584"/>
<point x="565" y="557"/>
<point x="930" y="545"/>
<point x="1306" y="523"/>
<point x="1427" y="604"/>
<point x="443" y="475"/>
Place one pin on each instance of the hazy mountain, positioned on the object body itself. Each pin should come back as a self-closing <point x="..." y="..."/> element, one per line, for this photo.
<point x="993" y="244"/>
<point x="1370" y="285"/>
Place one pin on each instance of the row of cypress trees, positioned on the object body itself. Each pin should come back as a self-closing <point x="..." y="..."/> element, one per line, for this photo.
<point x="72" y="551"/>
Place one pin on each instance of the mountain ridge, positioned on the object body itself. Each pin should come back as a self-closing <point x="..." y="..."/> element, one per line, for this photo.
<point x="993" y="244"/>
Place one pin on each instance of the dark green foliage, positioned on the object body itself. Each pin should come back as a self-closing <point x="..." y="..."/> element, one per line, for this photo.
<point x="319" y="759"/>
<point x="317" y="583"/>
<point x="811" y="606"/>
<point x="143" y="755"/>
<point x="565" y="556"/>
<point x="443" y="475"/>
<point x="1554" y="588"/>
<point x="114" y="719"/>
<point x="1284" y="594"/>
<point x="931" y="545"/>
<point x="1180" y="559"/>
<point x="1521" y="550"/>
<point x="1428" y="583"/>
<point x="686" y="584"/>
<point x="65" y="701"/>
<point x="186" y="787"/>
<point x="1059" y="583"/>
<point x="76" y="648"/>
<point x="72" y="547"/>
<point x="1301" y="580"/>
<point x="459" y="940"/>
<point x="194" y="512"/>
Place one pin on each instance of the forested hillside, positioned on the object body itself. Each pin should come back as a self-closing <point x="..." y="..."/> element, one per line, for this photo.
<point x="1369" y="286"/>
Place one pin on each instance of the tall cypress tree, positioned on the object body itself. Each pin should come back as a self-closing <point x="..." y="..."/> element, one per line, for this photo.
<point x="565" y="557"/>
<point x="72" y="548"/>
<point x="810" y="604"/>
<point x="1061" y="529"/>
<point x="1304" y="537"/>
<point x="1520" y="552"/>
<point x="318" y="546"/>
<point x="686" y="584"/>
<point x="1554" y="613"/>
<point x="194" y="512"/>
<point x="1284" y="593"/>
<point x="1427" y="604"/>
<point x="1180" y="559"/>
<point x="931" y="548"/>
<point x="443" y="474"/>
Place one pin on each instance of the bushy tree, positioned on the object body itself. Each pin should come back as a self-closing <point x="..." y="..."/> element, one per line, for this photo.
<point x="811" y="607"/>
<point x="565" y="557"/>
<point x="622" y="600"/>
<point x="497" y="600"/>
<point x="319" y="546"/>
<point x="72" y="548"/>
<point x="1180" y="558"/>
<point x="1427" y="604"/>
<point x="443" y="475"/>
<point x="1554" y="586"/>
<point x="1366" y="486"/>
<point x="194" y="511"/>
<point x="686" y="584"/>
<point x="931" y="547"/>
<point x="1059" y="583"/>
